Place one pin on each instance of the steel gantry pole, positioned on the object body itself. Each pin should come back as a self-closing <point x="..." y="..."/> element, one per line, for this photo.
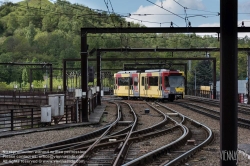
<point x="98" y="56"/>
<point x="186" y="78"/>
<point x="84" y="78"/>
<point x="248" y="77"/>
<point x="214" y="79"/>
<point x="51" y="78"/>
<point x="64" y="77"/>
<point x="228" y="82"/>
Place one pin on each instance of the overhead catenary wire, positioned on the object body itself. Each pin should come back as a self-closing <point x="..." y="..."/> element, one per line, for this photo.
<point x="106" y="3"/>
<point x="91" y="13"/>
<point x="186" y="18"/>
<point x="166" y="14"/>
<point x="166" y="9"/>
<point x="76" y="6"/>
<point x="149" y="21"/>
<point x="99" y="14"/>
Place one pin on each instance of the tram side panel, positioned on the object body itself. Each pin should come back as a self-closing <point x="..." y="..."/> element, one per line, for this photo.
<point x="150" y="85"/>
<point x="126" y="85"/>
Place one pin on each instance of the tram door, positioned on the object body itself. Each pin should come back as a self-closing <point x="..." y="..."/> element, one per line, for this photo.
<point x="134" y="86"/>
<point x="115" y="85"/>
<point x="146" y="86"/>
<point x="131" y="86"/>
<point x="160" y="86"/>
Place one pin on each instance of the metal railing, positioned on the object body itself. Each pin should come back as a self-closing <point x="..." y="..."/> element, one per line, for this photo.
<point x="25" y="118"/>
<point x="209" y="94"/>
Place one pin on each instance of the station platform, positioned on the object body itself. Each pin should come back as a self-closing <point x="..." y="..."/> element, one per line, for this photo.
<point x="94" y="119"/>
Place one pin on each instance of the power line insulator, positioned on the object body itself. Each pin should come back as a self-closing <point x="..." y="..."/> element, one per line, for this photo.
<point x="171" y="24"/>
<point x="242" y="24"/>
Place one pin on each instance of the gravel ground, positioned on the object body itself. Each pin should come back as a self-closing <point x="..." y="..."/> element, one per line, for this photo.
<point x="210" y="155"/>
<point x="152" y="144"/>
<point x="127" y="114"/>
<point x="111" y="113"/>
<point x="39" y="138"/>
<point x="145" y="119"/>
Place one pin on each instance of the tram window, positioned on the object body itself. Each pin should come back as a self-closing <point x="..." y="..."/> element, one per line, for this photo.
<point x="166" y="81"/>
<point x="123" y="81"/>
<point x="142" y="81"/>
<point x="153" y="81"/>
<point x="176" y="81"/>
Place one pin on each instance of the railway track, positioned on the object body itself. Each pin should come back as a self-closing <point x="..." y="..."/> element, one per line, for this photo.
<point x="116" y="152"/>
<point x="242" y="122"/>
<point x="163" y="155"/>
<point x="242" y="108"/>
<point x="70" y="146"/>
<point x="115" y="145"/>
<point x="44" y="152"/>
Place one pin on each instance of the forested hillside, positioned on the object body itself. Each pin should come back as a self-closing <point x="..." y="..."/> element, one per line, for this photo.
<point x="41" y="31"/>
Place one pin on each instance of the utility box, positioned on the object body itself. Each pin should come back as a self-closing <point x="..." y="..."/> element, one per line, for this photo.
<point x="61" y="104"/>
<point x="46" y="113"/>
<point x="57" y="104"/>
<point x="93" y="89"/>
<point x="78" y="93"/>
<point x="54" y="102"/>
<point x="146" y="111"/>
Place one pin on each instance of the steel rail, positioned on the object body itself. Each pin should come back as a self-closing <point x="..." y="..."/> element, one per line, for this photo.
<point x="215" y="114"/>
<point x="99" y="139"/>
<point x="193" y="150"/>
<point x="140" y="137"/>
<point x="181" y="157"/>
<point x="67" y="141"/>
<point x="78" y="139"/>
<point x="56" y="146"/>
<point x="242" y="108"/>
<point x="135" y="139"/>
<point x="150" y="155"/>
<point x="141" y="132"/>
<point x="183" y="137"/>
<point x="125" y="145"/>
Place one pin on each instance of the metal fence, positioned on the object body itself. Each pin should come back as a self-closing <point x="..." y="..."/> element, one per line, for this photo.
<point x="30" y="97"/>
<point x="14" y="117"/>
<point x="242" y="98"/>
<point x="25" y="118"/>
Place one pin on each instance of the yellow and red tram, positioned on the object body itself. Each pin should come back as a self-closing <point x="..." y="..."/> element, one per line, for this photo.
<point x="155" y="84"/>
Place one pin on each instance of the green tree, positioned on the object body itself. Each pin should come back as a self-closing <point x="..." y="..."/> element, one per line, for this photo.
<point x="30" y="33"/>
<point x="203" y="73"/>
<point x="25" y="76"/>
<point x="49" y="22"/>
